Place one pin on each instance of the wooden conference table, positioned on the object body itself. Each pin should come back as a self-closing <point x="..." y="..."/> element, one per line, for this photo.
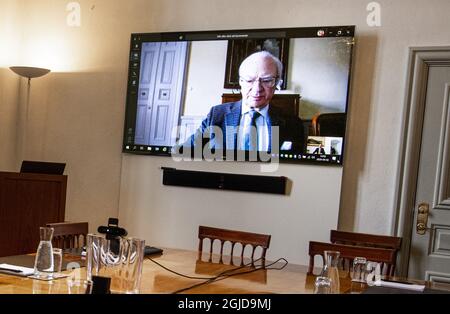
<point x="155" y="279"/>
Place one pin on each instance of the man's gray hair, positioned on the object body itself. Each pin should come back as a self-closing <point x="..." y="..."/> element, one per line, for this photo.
<point x="265" y="54"/>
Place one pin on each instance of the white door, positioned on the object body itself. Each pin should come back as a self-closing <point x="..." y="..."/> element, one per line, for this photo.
<point x="149" y="64"/>
<point x="160" y="92"/>
<point x="429" y="162"/>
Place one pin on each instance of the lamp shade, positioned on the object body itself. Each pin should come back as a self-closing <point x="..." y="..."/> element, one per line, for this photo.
<point x="29" y="72"/>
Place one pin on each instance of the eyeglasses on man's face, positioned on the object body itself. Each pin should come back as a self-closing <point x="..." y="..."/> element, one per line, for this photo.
<point x="268" y="82"/>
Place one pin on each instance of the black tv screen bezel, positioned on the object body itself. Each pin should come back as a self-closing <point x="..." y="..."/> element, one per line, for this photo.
<point x="296" y="32"/>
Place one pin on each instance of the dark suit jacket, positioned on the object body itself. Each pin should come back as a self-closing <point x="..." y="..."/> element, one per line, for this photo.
<point x="227" y="117"/>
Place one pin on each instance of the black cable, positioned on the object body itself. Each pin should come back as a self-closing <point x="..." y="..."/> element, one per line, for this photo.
<point x="231" y="275"/>
<point x="222" y="276"/>
<point x="177" y="273"/>
<point x="203" y="278"/>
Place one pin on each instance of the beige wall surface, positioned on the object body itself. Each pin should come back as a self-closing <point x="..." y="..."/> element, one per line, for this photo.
<point x="76" y="115"/>
<point x="10" y="36"/>
<point x="9" y="85"/>
<point x="206" y="67"/>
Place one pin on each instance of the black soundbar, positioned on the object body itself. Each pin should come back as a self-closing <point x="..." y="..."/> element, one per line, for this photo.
<point x="224" y="181"/>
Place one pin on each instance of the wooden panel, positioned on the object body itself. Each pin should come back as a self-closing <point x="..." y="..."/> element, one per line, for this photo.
<point x="329" y="124"/>
<point x="442" y="188"/>
<point x="27" y="202"/>
<point x="436" y="277"/>
<point x="238" y="50"/>
<point x="440" y="241"/>
<point x="288" y="103"/>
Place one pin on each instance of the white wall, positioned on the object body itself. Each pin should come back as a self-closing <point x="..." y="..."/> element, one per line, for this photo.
<point x="206" y="68"/>
<point x="85" y="105"/>
<point x="319" y="71"/>
<point x="9" y="85"/>
<point x="77" y="118"/>
<point x="10" y="31"/>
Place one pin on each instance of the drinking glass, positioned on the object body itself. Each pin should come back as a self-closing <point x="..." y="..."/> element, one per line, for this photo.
<point x="42" y="287"/>
<point x="57" y="260"/>
<point x="118" y="258"/>
<point x="322" y="285"/>
<point x="359" y="269"/>
<point x="43" y="264"/>
<point x="331" y="270"/>
<point x="79" y="286"/>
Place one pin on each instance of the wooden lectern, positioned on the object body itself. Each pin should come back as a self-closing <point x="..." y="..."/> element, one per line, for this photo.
<point x="28" y="201"/>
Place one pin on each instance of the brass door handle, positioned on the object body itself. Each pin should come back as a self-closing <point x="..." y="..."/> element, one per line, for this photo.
<point x="422" y="218"/>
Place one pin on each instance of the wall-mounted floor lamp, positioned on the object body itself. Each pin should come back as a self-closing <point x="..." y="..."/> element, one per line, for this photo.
<point x="29" y="73"/>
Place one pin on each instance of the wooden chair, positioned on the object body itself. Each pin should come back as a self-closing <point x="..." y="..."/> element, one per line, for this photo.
<point x="349" y="252"/>
<point x="244" y="238"/>
<point x="329" y="124"/>
<point x="369" y="240"/>
<point x="365" y="239"/>
<point x="69" y="235"/>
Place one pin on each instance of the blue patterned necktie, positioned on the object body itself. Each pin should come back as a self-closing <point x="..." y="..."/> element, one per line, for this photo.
<point x="251" y="136"/>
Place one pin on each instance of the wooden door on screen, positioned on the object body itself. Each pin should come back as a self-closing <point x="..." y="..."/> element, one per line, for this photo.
<point x="160" y="92"/>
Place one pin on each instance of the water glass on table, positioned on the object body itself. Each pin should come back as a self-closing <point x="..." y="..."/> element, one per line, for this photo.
<point x="79" y="286"/>
<point x="42" y="287"/>
<point x="322" y="285"/>
<point x="359" y="269"/>
<point x="57" y="260"/>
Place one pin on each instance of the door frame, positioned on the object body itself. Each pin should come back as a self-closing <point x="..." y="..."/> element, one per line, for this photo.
<point x="420" y="60"/>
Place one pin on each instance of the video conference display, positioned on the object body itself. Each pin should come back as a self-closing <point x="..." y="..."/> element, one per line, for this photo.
<point x="240" y="95"/>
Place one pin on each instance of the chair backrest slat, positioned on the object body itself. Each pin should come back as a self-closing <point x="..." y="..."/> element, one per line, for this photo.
<point x="365" y="239"/>
<point x="69" y="235"/>
<point x="234" y="237"/>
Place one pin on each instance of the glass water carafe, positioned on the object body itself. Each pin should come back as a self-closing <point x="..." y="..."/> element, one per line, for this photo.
<point x="330" y="269"/>
<point x="43" y="264"/>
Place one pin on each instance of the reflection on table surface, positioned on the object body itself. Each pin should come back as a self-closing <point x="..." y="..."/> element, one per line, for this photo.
<point x="155" y="279"/>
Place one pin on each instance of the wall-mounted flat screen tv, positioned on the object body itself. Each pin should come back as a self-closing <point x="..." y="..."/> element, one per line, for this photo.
<point x="257" y="94"/>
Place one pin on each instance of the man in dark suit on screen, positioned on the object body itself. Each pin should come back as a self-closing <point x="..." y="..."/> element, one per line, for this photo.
<point x="319" y="150"/>
<point x="250" y="124"/>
